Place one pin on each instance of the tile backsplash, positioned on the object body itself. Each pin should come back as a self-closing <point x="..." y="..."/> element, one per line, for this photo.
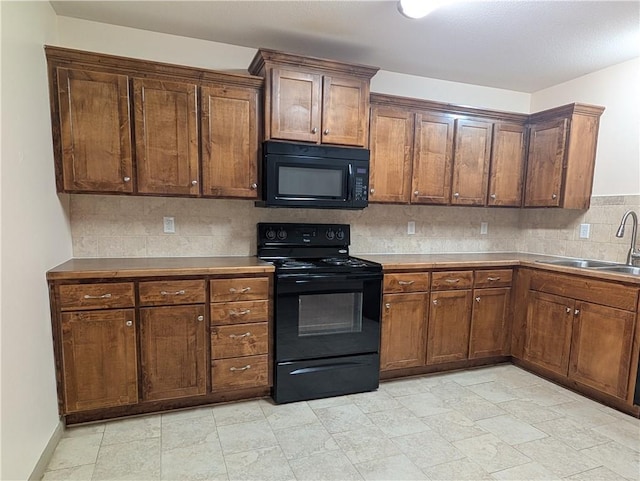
<point x="122" y="226"/>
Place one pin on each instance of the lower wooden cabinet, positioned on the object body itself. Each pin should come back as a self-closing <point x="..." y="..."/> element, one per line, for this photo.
<point x="173" y="352"/>
<point x="99" y="359"/>
<point x="489" y="330"/>
<point x="449" y="320"/>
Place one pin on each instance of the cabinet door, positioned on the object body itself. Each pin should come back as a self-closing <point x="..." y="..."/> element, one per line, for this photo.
<point x="345" y="110"/>
<point x="391" y="145"/>
<point x="99" y="359"/>
<point x="295" y="105"/>
<point x="489" y="322"/>
<point x="471" y="162"/>
<point x="448" y="332"/>
<point x="166" y="130"/>
<point x="173" y="353"/>
<point x="601" y="348"/>
<point x="229" y="142"/>
<point x="432" y="159"/>
<point x="544" y="163"/>
<point x="548" y="331"/>
<point x="95" y="131"/>
<point x="507" y="165"/>
<point x="404" y="322"/>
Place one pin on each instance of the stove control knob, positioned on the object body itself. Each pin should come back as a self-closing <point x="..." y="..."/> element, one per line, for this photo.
<point x="270" y="234"/>
<point x="340" y="234"/>
<point x="282" y="234"/>
<point x="330" y="234"/>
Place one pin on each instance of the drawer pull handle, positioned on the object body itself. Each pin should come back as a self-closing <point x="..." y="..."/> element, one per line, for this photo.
<point x="568" y="309"/>
<point x="492" y="279"/>
<point x="477" y="299"/>
<point x="248" y="366"/>
<point x="452" y="281"/>
<point x="239" y="336"/>
<point x="405" y="283"/>
<point x="241" y="291"/>
<point x="176" y="293"/>
<point x="243" y="312"/>
<point x="103" y="296"/>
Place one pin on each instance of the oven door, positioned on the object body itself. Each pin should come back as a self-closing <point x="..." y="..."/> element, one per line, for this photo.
<point x="327" y="315"/>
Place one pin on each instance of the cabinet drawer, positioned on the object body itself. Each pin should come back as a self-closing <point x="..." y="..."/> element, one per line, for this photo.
<point x="163" y="293"/>
<point x="239" y="312"/>
<point x="409" y="282"/>
<point x="239" y="340"/>
<point x="493" y="278"/>
<point x="239" y="289"/>
<point x="442" y="281"/>
<point x="96" y="296"/>
<point x="242" y="372"/>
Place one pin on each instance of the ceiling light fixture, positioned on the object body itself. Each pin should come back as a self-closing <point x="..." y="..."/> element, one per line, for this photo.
<point x="419" y="8"/>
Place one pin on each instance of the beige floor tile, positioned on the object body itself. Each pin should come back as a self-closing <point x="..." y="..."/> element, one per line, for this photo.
<point x="448" y="391"/>
<point x="205" y="412"/>
<point x="458" y="470"/>
<point x="557" y="457"/>
<point x="528" y="411"/>
<point x="423" y="404"/>
<point x="74" y="431"/>
<point x="302" y="441"/>
<point x="345" y="417"/>
<point x="194" y="462"/>
<point x="494" y="391"/>
<point x="542" y="395"/>
<point x="328" y="402"/>
<point x="267" y="464"/>
<point x="134" y="429"/>
<point x="453" y="426"/>
<point x="597" y="474"/>
<point x="77" y="473"/>
<point x="491" y="453"/>
<point x="618" y="458"/>
<point x="237" y="438"/>
<point x="76" y="451"/>
<point x="282" y="416"/>
<point x="511" y="430"/>
<point x="476" y="408"/>
<point x="530" y="471"/>
<point x="397" y="467"/>
<point x="626" y="432"/>
<point x="572" y="433"/>
<point x="586" y="413"/>
<point x="403" y="387"/>
<point x="398" y="422"/>
<point x="365" y="444"/>
<point x="135" y="460"/>
<point x="240" y="412"/>
<point x="473" y="376"/>
<point x="427" y="449"/>
<point x="325" y="466"/>
<point x="189" y="432"/>
<point x="374" y="401"/>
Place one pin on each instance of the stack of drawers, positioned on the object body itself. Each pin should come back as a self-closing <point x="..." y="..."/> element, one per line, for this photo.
<point x="239" y="333"/>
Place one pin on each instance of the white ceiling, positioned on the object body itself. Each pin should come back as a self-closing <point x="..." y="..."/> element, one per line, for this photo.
<point x="518" y="45"/>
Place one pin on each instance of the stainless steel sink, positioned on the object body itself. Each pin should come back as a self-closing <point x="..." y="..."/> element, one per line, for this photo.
<point x="583" y="263"/>
<point x="622" y="269"/>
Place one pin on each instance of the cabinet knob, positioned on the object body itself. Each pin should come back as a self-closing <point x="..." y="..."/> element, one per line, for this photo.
<point x="493" y="196"/>
<point x="254" y="186"/>
<point x="127" y="179"/>
<point x="387" y="306"/>
<point x="372" y="191"/>
<point x="568" y="310"/>
<point x="435" y="302"/>
<point x="456" y="195"/>
<point x="477" y="299"/>
<point x="200" y="318"/>
<point x="194" y="182"/>
<point x="554" y="196"/>
<point x="416" y="192"/>
<point x="326" y="131"/>
<point x="129" y="323"/>
<point x="576" y="312"/>
<point x="314" y="130"/>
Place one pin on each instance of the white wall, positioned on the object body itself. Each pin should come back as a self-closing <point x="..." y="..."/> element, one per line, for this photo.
<point x="616" y="88"/>
<point x="35" y="237"/>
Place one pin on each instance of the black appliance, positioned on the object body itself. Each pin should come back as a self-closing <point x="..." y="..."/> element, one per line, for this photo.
<point x="314" y="176"/>
<point x="326" y="312"/>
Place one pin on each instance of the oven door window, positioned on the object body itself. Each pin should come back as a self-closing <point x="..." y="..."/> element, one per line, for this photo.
<point x="327" y="314"/>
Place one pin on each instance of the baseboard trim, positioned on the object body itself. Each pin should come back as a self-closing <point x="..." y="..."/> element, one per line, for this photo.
<point x="45" y="457"/>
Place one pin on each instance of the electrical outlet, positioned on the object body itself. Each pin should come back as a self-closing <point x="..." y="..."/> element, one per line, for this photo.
<point x="411" y="227"/>
<point x="484" y="228"/>
<point x="585" y="231"/>
<point x="169" y="225"/>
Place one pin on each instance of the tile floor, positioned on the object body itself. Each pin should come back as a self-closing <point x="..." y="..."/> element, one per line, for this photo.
<point x="496" y="423"/>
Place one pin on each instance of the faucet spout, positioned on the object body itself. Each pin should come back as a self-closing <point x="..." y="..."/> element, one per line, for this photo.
<point x="633" y="253"/>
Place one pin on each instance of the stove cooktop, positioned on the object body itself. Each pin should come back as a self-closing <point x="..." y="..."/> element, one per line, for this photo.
<point x="327" y="264"/>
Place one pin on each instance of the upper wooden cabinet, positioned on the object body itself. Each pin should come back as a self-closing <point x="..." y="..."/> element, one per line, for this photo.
<point x="471" y="162"/>
<point x="314" y="100"/>
<point x="186" y="123"/>
<point x="561" y="156"/>
<point x="506" y="175"/>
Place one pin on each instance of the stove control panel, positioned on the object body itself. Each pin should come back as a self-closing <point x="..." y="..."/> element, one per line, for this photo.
<point x="303" y="234"/>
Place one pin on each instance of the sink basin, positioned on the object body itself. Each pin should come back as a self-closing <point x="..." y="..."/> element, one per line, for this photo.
<point x="584" y="263"/>
<point x="635" y="271"/>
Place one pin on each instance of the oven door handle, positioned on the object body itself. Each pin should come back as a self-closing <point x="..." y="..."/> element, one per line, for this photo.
<point x="326" y="367"/>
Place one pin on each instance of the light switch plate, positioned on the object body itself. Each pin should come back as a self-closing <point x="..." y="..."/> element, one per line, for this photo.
<point x="411" y="227"/>
<point x="169" y="225"/>
<point x="585" y="231"/>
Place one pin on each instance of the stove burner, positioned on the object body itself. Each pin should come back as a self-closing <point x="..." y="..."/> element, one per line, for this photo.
<point x="294" y="264"/>
<point x="344" y="261"/>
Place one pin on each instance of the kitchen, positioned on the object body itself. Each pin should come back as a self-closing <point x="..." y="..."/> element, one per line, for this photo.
<point x="101" y="226"/>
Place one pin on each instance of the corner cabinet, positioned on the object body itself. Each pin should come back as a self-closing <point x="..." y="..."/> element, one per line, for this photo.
<point x="184" y="121"/>
<point x="314" y="100"/>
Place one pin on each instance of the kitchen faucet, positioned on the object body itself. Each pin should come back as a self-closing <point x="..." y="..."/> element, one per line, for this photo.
<point x="634" y="254"/>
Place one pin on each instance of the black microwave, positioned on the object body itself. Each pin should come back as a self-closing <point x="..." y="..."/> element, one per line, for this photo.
<point x="314" y="176"/>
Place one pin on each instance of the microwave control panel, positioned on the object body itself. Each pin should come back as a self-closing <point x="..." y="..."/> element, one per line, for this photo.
<point x="360" y="181"/>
